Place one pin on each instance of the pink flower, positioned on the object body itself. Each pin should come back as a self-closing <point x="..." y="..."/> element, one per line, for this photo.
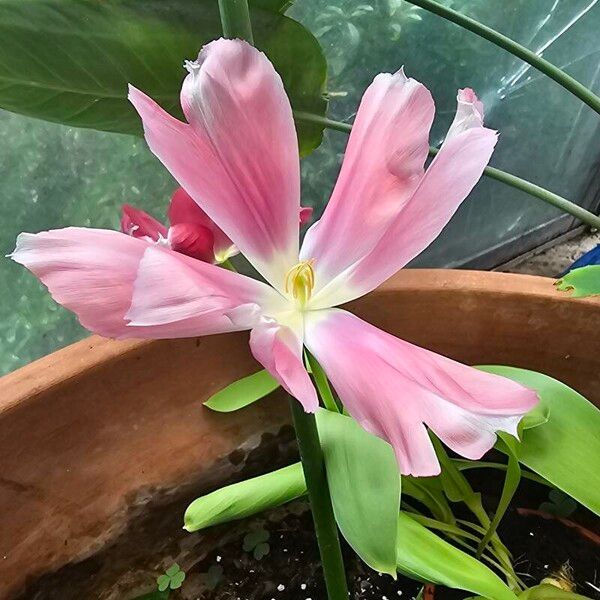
<point x="237" y="157"/>
<point x="191" y="230"/>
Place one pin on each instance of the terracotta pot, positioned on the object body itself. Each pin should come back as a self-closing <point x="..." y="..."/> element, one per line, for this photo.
<point x="93" y="429"/>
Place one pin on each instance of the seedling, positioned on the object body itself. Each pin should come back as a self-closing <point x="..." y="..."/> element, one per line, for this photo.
<point x="559" y="504"/>
<point x="256" y="542"/>
<point x="171" y="579"/>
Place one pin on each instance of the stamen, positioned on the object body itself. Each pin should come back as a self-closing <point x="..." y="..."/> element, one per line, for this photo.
<point x="300" y="281"/>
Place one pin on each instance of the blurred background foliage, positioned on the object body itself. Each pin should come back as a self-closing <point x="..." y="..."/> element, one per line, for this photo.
<point x="53" y="175"/>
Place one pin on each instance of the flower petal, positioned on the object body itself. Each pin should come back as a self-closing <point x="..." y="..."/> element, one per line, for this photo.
<point x="382" y="165"/>
<point x="92" y="272"/>
<point x="393" y="389"/>
<point x="238" y="158"/>
<point x="279" y="349"/>
<point x="192" y="296"/>
<point x="88" y="271"/>
<point x="447" y="182"/>
<point x="183" y="209"/>
<point x="140" y="224"/>
<point x="192" y="240"/>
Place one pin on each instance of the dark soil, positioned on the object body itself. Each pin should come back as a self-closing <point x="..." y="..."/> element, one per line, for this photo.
<point x="218" y="568"/>
<point x="291" y="570"/>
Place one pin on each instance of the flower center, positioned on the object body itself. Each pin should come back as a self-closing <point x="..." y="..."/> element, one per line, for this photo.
<point x="300" y="281"/>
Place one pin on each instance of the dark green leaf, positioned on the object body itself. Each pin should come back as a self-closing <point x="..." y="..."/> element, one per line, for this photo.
<point x="549" y="592"/>
<point x="242" y="392"/>
<point x="70" y="61"/>
<point x="364" y="484"/>
<point x="155" y="595"/>
<point x="261" y="551"/>
<point x="252" y="539"/>
<point x="213" y="576"/>
<point x="583" y="282"/>
<point x="425" y="556"/>
<point x="565" y="449"/>
<point x="246" y="498"/>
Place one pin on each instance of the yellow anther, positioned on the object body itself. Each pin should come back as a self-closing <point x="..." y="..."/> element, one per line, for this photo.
<point x="300" y="281"/>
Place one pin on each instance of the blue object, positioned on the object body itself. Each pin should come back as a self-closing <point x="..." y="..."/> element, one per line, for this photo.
<point x="592" y="257"/>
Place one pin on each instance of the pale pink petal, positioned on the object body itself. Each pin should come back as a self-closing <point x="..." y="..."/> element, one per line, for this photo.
<point x="192" y="240"/>
<point x="394" y="389"/>
<point x="172" y="288"/>
<point x="183" y="209"/>
<point x="469" y="112"/>
<point x="92" y="273"/>
<point x="279" y="349"/>
<point x="382" y="165"/>
<point x="449" y="179"/>
<point x="238" y="157"/>
<point x="140" y="224"/>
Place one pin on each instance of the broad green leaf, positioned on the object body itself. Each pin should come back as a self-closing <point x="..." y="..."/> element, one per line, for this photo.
<point x="246" y="498"/>
<point x="582" y="282"/>
<point x="242" y="392"/>
<point x="364" y="484"/>
<point x="549" y="592"/>
<point x="565" y="449"/>
<point x="70" y="61"/>
<point x="425" y="556"/>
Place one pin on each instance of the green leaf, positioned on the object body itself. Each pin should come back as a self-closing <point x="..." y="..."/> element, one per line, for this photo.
<point x="559" y="504"/>
<point x="246" y="498"/>
<point x="364" y="484"/>
<point x="254" y="538"/>
<point x="565" y="449"/>
<point x="155" y="595"/>
<point x="242" y="392"/>
<point x="163" y="582"/>
<point x="70" y="62"/>
<point x="176" y="580"/>
<point x="549" y="592"/>
<point x="425" y="556"/>
<point x="172" y="570"/>
<point x="261" y="551"/>
<point x="583" y="282"/>
<point x="213" y="576"/>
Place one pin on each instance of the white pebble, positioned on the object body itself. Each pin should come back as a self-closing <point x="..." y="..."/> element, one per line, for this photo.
<point x="280" y="587"/>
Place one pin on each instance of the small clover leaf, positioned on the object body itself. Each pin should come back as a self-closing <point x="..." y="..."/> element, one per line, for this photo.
<point x="213" y="576"/>
<point x="254" y="539"/>
<point x="261" y="550"/>
<point x="163" y="582"/>
<point x="172" y="578"/>
<point x="559" y="504"/>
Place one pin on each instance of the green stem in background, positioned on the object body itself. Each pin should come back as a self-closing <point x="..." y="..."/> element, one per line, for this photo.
<point x="464" y="465"/>
<point x="532" y="189"/>
<point x="313" y="466"/>
<point x="322" y="383"/>
<point x="235" y="19"/>
<point x="227" y="264"/>
<point x="504" y="42"/>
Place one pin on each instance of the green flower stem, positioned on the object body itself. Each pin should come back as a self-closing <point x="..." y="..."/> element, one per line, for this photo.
<point x="320" y="502"/>
<point x="504" y="42"/>
<point x="532" y="189"/>
<point x="322" y="384"/>
<point x="235" y="19"/>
